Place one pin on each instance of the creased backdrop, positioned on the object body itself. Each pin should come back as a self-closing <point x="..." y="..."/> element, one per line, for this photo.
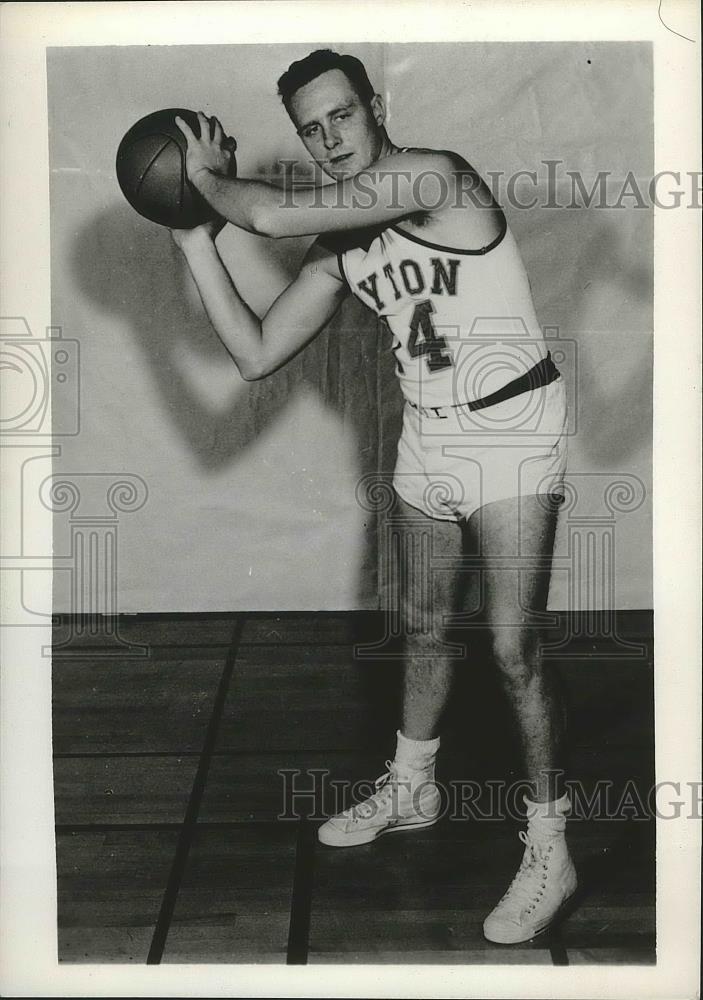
<point x="252" y="486"/>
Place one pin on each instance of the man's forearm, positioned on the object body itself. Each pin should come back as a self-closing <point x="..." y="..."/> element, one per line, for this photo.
<point x="243" y="202"/>
<point x="237" y="326"/>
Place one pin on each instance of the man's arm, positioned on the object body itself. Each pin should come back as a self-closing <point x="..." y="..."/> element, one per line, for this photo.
<point x="393" y="187"/>
<point x="260" y="346"/>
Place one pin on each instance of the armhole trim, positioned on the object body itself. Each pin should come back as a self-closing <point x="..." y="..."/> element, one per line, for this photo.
<point x="340" y="264"/>
<point x="439" y="246"/>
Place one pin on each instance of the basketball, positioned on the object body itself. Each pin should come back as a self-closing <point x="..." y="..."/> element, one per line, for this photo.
<point x="151" y="171"/>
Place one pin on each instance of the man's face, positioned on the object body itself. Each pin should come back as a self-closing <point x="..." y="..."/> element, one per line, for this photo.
<point x="342" y="134"/>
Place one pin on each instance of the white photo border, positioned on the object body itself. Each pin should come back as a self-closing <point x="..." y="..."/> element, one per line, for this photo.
<point x="28" y="930"/>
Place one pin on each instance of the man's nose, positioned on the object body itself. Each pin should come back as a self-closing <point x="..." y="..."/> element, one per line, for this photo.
<point x="331" y="139"/>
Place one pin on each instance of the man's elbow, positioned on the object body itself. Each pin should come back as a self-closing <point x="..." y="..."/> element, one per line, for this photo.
<point x="253" y="370"/>
<point x="267" y="221"/>
<point x="250" y="373"/>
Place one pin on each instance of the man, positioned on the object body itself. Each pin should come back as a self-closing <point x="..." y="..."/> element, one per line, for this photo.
<point x="443" y="271"/>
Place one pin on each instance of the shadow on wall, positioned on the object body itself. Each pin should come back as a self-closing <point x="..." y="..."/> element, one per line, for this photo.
<point x="607" y="300"/>
<point x="144" y="285"/>
<point x="614" y="296"/>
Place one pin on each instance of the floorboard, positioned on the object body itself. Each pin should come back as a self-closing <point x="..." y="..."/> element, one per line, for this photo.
<point x="307" y="707"/>
<point x="109" y="892"/>
<point x="310" y="696"/>
<point x="235" y="896"/>
<point x="415" y="894"/>
<point x="122" y="790"/>
<point x="261" y="787"/>
<point x="144" y="630"/>
<point x="618" y="954"/>
<point x="609" y="703"/>
<point x="616" y="866"/>
<point x="122" y="705"/>
<point x="325" y="627"/>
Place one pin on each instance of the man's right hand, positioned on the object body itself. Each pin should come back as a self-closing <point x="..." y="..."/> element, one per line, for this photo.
<point x="187" y="238"/>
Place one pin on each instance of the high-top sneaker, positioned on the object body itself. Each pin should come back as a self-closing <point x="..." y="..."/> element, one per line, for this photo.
<point x="403" y="800"/>
<point x="406" y="798"/>
<point x="545" y="880"/>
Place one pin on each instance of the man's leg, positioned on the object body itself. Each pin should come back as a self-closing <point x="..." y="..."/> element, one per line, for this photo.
<point x="407" y="797"/>
<point x="427" y="597"/>
<point x="516" y="539"/>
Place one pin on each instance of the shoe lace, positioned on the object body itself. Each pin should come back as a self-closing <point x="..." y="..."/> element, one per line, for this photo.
<point x="384" y="788"/>
<point x="530" y="881"/>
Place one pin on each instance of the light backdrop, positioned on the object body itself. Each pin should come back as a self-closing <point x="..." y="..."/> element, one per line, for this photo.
<point x="251" y="486"/>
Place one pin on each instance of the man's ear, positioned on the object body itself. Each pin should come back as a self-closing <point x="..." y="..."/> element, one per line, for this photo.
<point x="378" y="109"/>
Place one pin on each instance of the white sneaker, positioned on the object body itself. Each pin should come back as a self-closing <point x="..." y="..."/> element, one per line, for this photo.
<point x="544" y="882"/>
<point x="407" y="800"/>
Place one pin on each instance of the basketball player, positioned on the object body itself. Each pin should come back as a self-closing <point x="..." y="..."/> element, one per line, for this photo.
<point x="443" y="271"/>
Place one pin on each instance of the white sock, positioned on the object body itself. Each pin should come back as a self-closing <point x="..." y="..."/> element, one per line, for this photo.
<point x="418" y="755"/>
<point x="548" y="816"/>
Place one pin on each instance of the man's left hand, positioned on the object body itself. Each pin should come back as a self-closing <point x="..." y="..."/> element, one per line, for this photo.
<point x="212" y="152"/>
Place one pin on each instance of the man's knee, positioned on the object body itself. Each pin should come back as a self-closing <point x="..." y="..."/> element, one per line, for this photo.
<point x="516" y="655"/>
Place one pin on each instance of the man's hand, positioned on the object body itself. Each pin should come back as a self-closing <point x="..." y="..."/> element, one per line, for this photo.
<point x="213" y="152"/>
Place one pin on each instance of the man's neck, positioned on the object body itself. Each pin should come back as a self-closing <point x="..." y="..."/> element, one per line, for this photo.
<point x="387" y="148"/>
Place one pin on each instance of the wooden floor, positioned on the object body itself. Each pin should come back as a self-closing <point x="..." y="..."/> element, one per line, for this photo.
<point x="169" y="742"/>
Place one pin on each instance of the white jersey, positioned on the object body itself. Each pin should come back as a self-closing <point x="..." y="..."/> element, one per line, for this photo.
<point x="463" y="321"/>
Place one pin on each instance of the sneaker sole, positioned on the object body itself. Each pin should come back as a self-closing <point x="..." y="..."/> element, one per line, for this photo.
<point x="563" y="911"/>
<point x="350" y="840"/>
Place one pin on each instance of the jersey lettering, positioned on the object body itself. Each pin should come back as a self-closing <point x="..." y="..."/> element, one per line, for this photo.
<point x="419" y="284"/>
<point x="368" y="285"/>
<point x="388" y="271"/>
<point x="442" y="278"/>
<point x="398" y="363"/>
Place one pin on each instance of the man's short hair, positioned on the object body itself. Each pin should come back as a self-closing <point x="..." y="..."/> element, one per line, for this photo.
<point x="304" y="70"/>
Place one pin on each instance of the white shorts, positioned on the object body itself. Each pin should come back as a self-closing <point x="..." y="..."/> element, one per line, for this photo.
<point x="451" y="465"/>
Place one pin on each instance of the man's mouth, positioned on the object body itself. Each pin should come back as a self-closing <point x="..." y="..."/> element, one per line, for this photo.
<point x="340" y="159"/>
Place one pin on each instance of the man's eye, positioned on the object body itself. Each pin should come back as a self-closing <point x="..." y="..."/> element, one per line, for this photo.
<point x="310" y="132"/>
<point x="344" y="114"/>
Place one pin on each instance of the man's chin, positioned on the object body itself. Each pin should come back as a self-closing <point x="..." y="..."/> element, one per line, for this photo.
<point x="342" y="171"/>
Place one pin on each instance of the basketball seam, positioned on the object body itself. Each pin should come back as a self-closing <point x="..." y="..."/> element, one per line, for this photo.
<point x="156" y="155"/>
<point x="183" y="182"/>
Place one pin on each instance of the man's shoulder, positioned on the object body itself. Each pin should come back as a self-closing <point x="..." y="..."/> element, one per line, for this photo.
<point x="342" y="241"/>
<point x="426" y="166"/>
<point x="440" y="158"/>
